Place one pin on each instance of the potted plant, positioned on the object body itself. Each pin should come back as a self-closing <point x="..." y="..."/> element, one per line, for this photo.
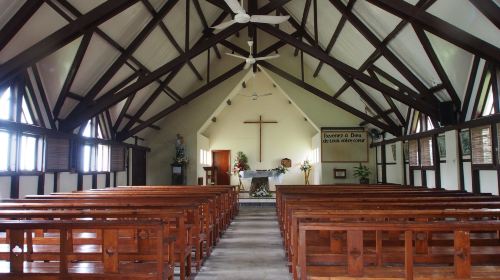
<point x="240" y="164"/>
<point x="362" y="172"/>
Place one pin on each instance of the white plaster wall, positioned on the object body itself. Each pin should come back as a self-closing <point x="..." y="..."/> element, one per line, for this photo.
<point x="395" y="171"/>
<point x="87" y="182"/>
<point x="67" y="182"/>
<point x="4" y="187"/>
<point x="27" y="185"/>
<point x="203" y="143"/>
<point x="431" y="178"/>
<point x="317" y="167"/>
<point x="417" y="178"/>
<point x="449" y="170"/>
<point x="48" y="186"/>
<point x="488" y="181"/>
<point x="467" y="176"/>
<point x="121" y="178"/>
<point x="289" y="138"/>
<point x="101" y="181"/>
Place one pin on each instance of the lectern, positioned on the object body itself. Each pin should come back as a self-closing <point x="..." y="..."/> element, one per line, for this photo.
<point x="210" y="175"/>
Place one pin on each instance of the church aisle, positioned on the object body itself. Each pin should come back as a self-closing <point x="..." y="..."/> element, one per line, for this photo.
<point x="250" y="249"/>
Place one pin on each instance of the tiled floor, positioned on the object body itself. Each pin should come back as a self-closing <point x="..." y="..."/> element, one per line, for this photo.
<point x="250" y="249"/>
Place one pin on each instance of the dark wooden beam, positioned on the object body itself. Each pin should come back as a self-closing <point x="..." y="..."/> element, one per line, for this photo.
<point x="73" y="70"/>
<point x="470" y="86"/>
<point x="438" y="67"/>
<point x="109" y="100"/>
<point x="335" y="36"/>
<point x="437" y="88"/>
<point x="494" y="87"/>
<point x="489" y="10"/>
<point x="10" y="29"/>
<point x="325" y="96"/>
<point x="205" y="24"/>
<point x="348" y="70"/>
<point x="390" y="101"/>
<point x="441" y="28"/>
<point x="155" y="127"/>
<point x="305" y="15"/>
<point x="475" y="112"/>
<point x="198" y="92"/>
<point x="390" y="111"/>
<point x="63" y="36"/>
<point x="123" y="112"/>
<point x="380" y="46"/>
<point x="32" y="95"/>
<point x="124" y="56"/>
<point x="43" y="96"/>
<point x="171" y="38"/>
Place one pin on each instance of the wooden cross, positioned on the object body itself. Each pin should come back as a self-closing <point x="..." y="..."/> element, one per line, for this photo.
<point x="260" y="122"/>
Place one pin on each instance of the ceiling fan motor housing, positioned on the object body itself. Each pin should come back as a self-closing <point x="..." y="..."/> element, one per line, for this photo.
<point x="242" y="18"/>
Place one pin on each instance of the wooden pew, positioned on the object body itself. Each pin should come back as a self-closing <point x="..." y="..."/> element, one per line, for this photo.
<point x="107" y="266"/>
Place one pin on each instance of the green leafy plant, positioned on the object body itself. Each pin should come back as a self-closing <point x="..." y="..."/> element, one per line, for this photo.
<point x="363" y="173"/>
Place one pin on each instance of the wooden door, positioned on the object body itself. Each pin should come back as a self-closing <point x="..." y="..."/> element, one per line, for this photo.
<point x="222" y="160"/>
<point x="138" y="167"/>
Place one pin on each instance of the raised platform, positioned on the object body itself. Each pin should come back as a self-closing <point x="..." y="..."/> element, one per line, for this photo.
<point x="246" y="200"/>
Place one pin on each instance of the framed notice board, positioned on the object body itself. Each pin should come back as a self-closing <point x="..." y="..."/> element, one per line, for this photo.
<point x="344" y="145"/>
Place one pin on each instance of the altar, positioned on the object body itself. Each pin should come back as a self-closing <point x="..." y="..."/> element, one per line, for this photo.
<point x="259" y="185"/>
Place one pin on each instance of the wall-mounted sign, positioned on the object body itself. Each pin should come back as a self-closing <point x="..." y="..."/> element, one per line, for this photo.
<point x="344" y="145"/>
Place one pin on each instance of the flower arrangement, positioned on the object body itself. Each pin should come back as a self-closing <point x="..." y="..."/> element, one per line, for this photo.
<point x="281" y="170"/>
<point x="306" y="168"/>
<point x="261" y="192"/>
<point x="240" y="163"/>
<point x="362" y="172"/>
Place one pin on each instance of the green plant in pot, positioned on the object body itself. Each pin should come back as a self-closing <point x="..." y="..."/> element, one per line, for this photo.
<point x="363" y="173"/>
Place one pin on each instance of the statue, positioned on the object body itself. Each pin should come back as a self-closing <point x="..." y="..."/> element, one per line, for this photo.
<point x="180" y="153"/>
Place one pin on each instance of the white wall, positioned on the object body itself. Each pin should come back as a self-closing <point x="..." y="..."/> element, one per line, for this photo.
<point x="449" y="170"/>
<point x="488" y="181"/>
<point x="289" y="138"/>
<point x="202" y="143"/>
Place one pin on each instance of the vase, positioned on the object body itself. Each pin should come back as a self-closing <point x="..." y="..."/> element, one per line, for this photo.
<point x="240" y="186"/>
<point x="306" y="177"/>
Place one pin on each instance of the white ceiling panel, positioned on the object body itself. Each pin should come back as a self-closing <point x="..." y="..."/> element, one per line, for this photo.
<point x="120" y="76"/>
<point x="8" y="8"/>
<point x="378" y="20"/>
<point x="163" y="101"/>
<point x="351" y="47"/>
<point x="98" y="58"/>
<point x="54" y="68"/>
<point x="44" y="22"/>
<point x="85" y="6"/>
<point x="156" y="50"/>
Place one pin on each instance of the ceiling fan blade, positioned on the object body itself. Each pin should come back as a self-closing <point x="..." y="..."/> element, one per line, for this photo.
<point x="267" y="57"/>
<point x="236" y="55"/>
<point x="224" y="25"/>
<point x="235" y="6"/>
<point x="266" y="94"/>
<point x="247" y="65"/>
<point x="268" y="19"/>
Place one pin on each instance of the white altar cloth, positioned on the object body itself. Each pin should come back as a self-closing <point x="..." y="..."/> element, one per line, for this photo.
<point x="258" y="174"/>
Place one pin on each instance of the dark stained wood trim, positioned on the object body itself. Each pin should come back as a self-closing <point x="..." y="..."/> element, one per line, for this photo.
<point x="436" y="162"/>
<point x="494" y="89"/>
<point x="79" y="182"/>
<point x="363" y="123"/>
<point x="14" y="186"/>
<point x="205" y="24"/>
<point x="391" y="103"/>
<point x="441" y="28"/>
<point x="383" y="162"/>
<point x="40" y="184"/>
<point x="141" y="121"/>
<point x="123" y="112"/>
<point x="475" y="112"/>
<point x="327" y="97"/>
<point x="489" y="9"/>
<point x="63" y="36"/>
<point x="198" y="92"/>
<point x="354" y="73"/>
<point x="55" y="182"/>
<point x="94" y="181"/>
<point x="10" y="29"/>
<point x="43" y="96"/>
<point x="73" y="70"/>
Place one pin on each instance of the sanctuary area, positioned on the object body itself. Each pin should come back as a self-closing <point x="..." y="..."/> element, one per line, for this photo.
<point x="249" y="139"/>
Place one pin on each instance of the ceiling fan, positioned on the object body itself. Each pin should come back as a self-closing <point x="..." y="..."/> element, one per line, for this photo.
<point x="242" y="16"/>
<point x="250" y="60"/>
<point x="256" y="96"/>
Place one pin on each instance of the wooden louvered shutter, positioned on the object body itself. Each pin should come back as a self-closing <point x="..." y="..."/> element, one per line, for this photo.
<point x="481" y="145"/>
<point x="413" y="147"/>
<point x="57" y="154"/>
<point x="426" y="151"/>
<point x="117" y="158"/>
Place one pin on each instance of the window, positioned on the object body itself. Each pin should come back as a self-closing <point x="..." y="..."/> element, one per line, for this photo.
<point x="4" y="150"/>
<point x="6" y="105"/>
<point x="426" y="151"/>
<point x="413" y="153"/>
<point x="205" y="157"/>
<point x="94" y="157"/>
<point x="481" y="145"/>
<point x="28" y="153"/>
<point x="25" y="113"/>
<point x="488" y="108"/>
